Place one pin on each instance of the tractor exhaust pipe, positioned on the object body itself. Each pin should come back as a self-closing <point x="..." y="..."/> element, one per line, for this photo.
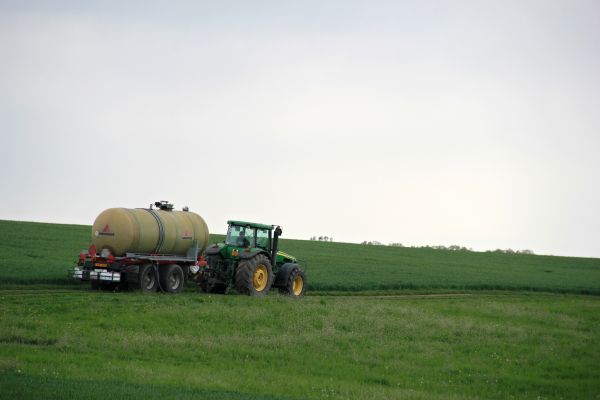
<point x="275" y="245"/>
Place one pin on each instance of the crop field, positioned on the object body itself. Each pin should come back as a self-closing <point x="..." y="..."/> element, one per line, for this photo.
<point x="41" y="254"/>
<point x="101" y="345"/>
<point x="378" y="323"/>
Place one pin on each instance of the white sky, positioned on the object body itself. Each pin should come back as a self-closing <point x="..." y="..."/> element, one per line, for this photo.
<point x="445" y="122"/>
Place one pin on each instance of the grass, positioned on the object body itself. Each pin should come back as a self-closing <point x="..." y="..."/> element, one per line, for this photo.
<point x="93" y="344"/>
<point x="34" y="253"/>
<point x="362" y="334"/>
<point x="354" y="267"/>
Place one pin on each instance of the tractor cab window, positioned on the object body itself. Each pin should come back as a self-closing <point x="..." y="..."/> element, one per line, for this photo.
<point x="262" y="238"/>
<point x="240" y="236"/>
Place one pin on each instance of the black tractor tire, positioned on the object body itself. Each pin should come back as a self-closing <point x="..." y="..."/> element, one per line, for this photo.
<point x="295" y="285"/>
<point x="147" y="280"/>
<point x="254" y="276"/>
<point x="171" y="278"/>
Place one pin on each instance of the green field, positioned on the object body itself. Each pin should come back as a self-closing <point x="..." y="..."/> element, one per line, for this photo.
<point x="379" y="323"/>
<point x="41" y="254"/>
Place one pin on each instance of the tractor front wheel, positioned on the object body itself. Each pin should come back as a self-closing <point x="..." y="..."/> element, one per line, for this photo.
<point x="254" y="276"/>
<point x="295" y="285"/>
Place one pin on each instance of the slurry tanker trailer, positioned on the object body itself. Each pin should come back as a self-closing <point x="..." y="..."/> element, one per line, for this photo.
<point x="159" y="248"/>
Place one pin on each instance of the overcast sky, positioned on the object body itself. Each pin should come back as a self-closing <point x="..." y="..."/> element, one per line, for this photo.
<point x="474" y="123"/>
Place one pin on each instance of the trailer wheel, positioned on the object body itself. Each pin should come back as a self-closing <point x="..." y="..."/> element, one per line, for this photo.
<point x="295" y="286"/>
<point x="94" y="284"/>
<point x="147" y="280"/>
<point x="171" y="278"/>
<point x="254" y="276"/>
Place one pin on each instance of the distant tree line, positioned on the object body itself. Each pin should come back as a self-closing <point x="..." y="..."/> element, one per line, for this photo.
<point x="453" y="247"/>
<point x="322" y="238"/>
<point x="511" y="251"/>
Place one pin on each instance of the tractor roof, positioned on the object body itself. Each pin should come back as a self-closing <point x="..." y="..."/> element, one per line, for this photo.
<point x="251" y="224"/>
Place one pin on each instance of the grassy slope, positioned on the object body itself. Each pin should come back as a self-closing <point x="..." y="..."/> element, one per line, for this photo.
<point x="352" y="267"/>
<point x="63" y="343"/>
<point x="82" y="344"/>
<point x="42" y="254"/>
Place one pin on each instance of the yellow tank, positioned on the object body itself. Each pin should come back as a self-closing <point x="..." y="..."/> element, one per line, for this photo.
<point x="139" y="230"/>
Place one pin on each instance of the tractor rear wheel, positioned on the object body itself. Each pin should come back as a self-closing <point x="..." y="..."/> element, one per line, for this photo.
<point x="171" y="278"/>
<point x="147" y="279"/>
<point x="254" y="276"/>
<point x="296" y="284"/>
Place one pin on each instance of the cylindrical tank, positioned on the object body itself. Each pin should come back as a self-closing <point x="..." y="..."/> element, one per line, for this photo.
<point x="140" y="230"/>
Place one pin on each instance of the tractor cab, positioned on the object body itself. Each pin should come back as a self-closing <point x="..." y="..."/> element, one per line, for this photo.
<point x="245" y="234"/>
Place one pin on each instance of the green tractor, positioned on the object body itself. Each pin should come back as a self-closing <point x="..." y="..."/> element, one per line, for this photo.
<point x="249" y="260"/>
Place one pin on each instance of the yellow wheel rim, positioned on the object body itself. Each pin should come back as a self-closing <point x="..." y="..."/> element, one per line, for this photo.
<point x="260" y="278"/>
<point x="297" y="285"/>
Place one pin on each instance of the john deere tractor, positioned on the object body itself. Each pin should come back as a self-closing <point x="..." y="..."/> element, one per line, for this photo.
<point x="249" y="260"/>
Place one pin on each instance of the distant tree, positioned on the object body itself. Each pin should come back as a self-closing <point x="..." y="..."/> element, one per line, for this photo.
<point x="525" y="251"/>
<point x="396" y="245"/>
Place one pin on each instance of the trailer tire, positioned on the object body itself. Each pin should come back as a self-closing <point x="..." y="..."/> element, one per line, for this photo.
<point x="147" y="280"/>
<point x="171" y="278"/>
<point x="254" y="276"/>
<point x="94" y="284"/>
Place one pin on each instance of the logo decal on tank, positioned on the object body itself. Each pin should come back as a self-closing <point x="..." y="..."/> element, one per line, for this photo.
<point x="187" y="235"/>
<point x="105" y="231"/>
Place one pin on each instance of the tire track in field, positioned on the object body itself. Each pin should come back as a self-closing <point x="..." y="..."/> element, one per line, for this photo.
<point x="57" y="293"/>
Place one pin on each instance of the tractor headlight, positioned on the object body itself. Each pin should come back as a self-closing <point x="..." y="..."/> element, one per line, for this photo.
<point x="194" y="269"/>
